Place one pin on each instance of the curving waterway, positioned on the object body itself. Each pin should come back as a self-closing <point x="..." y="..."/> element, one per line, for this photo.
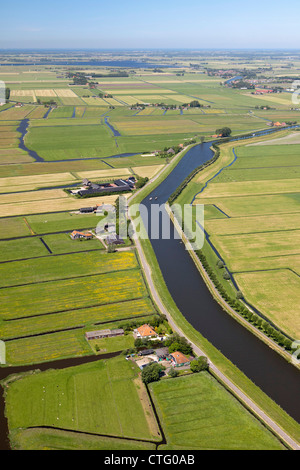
<point x="266" y="368"/>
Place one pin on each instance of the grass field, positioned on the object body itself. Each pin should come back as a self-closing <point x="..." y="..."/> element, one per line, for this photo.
<point x="190" y="411"/>
<point x="102" y="398"/>
<point x="56" y="296"/>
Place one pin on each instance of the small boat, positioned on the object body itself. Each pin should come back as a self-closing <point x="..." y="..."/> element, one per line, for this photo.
<point x="150" y="198"/>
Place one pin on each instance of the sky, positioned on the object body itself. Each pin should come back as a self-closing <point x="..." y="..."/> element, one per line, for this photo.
<point x="140" y="24"/>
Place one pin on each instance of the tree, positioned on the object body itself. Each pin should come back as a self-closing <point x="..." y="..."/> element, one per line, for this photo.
<point x="199" y="364"/>
<point x="224" y="131"/>
<point x="151" y="373"/>
<point x="111" y="248"/>
<point x="178" y="343"/>
<point x="173" y="372"/>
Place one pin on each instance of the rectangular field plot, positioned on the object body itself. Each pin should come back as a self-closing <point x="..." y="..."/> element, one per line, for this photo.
<point x="61" y="112"/>
<point x="240" y="225"/>
<point x="247" y="188"/>
<point x="63" y="295"/>
<point x="255" y="205"/>
<point x="95" y="101"/>
<point x="132" y="127"/>
<point x="276" y="294"/>
<point x="60" y="243"/>
<point x="130" y="100"/>
<point x="189" y="408"/>
<point x="60" y="221"/>
<point x="24" y="96"/>
<point x="8" y="156"/>
<point x="14" y="113"/>
<point x="66" y="266"/>
<point x="255" y="245"/>
<point x="29" y="247"/>
<point x="40" y="205"/>
<point x="13" y="227"/>
<point x="72" y="141"/>
<point x="268" y="148"/>
<point x="99" y="315"/>
<point x="46" y="347"/>
<point x="147" y="171"/>
<point x="36" y="181"/>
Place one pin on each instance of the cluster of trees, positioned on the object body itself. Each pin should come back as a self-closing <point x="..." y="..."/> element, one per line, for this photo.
<point x="193" y="104"/>
<point x="78" y="79"/>
<point x="141" y="182"/>
<point x="241" y="308"/>
<point x="111" y="74"/>
<point x="199" y="364"/>
<point x="224" y="131"/>
<point x="7" y="93"/>
<point x="47" y="103"/>
<point x="152" y="372"/>
<point x="175" y="342"/>
<point x="264" y="107"/>
<point x="243" y="84"/>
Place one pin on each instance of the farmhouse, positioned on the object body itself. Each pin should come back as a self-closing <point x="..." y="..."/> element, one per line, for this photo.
<point x="75" y="235"/>
<point x="103" y="333"/>
<point x="145" y="331"/>
<point x="178" y="359"/>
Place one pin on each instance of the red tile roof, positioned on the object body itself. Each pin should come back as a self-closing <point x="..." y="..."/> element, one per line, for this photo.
<point x="179" y="358"/>
<point x="146" y="330"/>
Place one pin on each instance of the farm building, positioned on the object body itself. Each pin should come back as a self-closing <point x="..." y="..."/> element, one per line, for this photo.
<point x="162" y="353"/>
<point x="145" y="331"/>
<point x="146" y="352"/>
<point x="118" y="185"/>
<point x="178" y="359"/>
<point x="75" y="235"/>
<point x="103" y="333"/>
<point x="114" y="239"/>
<point x="86" y="210"/>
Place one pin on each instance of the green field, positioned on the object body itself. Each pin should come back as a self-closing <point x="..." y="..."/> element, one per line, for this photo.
<point x="190" y="411"/>
<point x="100" y="398"/>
